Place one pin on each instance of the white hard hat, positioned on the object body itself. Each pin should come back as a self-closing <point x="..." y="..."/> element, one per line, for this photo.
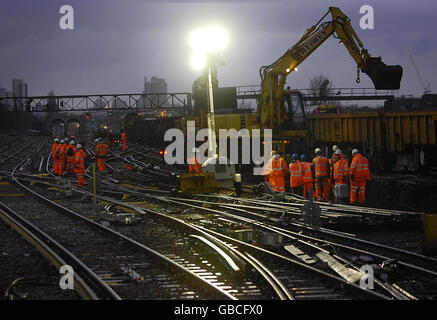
<point x="62" y="141"/>
<point x="354" y="151"/>
<point x="79" y="146"/>
<point x="338" y="151"/>
<point x="56" y="139"/>
<point x="318" y="150"/>
<point x="97" y="140"/>
<point x="335" y="147"/>
<point x="72" y="142"/>
<point x="273" y="152"/>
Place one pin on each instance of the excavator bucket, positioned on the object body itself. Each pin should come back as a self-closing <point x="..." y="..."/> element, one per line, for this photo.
<point x="384" y="77"/>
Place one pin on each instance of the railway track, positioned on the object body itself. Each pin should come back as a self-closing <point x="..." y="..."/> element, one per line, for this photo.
<point x="361" y="249"/>
<point x="302" y="266"/>
<point x="136" y="270"/>
<point x="82" y="236"/>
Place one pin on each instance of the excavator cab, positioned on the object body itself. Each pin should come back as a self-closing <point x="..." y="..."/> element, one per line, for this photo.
<point x="293" y="111"/>
<point x="384" y="77"/>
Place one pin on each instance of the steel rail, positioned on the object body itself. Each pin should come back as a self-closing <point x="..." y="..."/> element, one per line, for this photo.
<point x="288" y="233"/>
<point x="344" y="236"/>
<point x="271" y="279"/>
<point x="285" y="234"/>
<point x="57" y="255"/>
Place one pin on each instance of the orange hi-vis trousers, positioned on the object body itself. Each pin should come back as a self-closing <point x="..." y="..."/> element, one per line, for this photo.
<point x="101" y="164"/>
<point x="61" y="166"/>
<point x="322" y="184"/>
<point x="306" y="189"/>
<point x="277" y="182"/>
<point x="55" y="165"/>
<point x="80" y="178"/>
<point x="360" y="188"/>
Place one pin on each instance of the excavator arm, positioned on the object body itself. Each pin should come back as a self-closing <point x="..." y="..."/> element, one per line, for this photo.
<point x="273" y="76"/>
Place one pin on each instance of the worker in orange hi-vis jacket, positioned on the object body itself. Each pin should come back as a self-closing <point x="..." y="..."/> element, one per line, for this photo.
<point x="61" y="153"/>
<point x="296" y="175"/>
<point x="79" y="165"/>
<point x="123" y="140"/>
<point x="307" y="177"/>
<point x="57" y="155"/>
<point x="194" y="166"/>
<point x="359" y="175"/>
<point x="101" y="153"/>
<point x="331" y="182"/>
<point x="267" y="168"/>
<point x="54" y="158"/>
<point x="71" y="152"/>
<point x="278" y="171"/>
<point x="321" y="170"/>
<point x="340" y="177"/>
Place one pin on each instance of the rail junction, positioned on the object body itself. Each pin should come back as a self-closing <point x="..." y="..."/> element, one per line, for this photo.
<point x="132" y="236"/>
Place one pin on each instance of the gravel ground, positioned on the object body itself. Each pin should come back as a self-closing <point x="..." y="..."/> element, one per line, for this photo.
<point x="406" y="237"/>
<point x="19" y="259"/>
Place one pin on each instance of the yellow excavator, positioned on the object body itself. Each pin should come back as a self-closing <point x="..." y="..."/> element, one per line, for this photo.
<point x="282" y="110"/>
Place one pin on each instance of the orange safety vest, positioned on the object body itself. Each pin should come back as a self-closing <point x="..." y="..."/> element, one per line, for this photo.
<point x="296" y="174"/>
<point x="330" y="161"/>
<point x="278" y="167"/>
<point x="70" y="159"/>
<point x="308" y="175"/>
<point x="101" y="149"/>
<point x="195" y="166"/>
<point x="54" y="147"/>
<point x="267" y="168"/>
<point x="79" y="161"/>
<point x="320" y="166"/>
<point x="62" y="151"/>
<point x="341" y="168"/>
<point x="123" y="137"/>
<point x="57" y="150"/>
<point x="360" y="168"/>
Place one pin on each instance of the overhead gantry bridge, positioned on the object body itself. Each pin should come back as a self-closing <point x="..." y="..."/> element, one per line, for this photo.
<point x="175" y="102"/>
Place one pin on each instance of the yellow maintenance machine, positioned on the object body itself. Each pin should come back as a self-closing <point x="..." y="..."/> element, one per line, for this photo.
<point x="272" y="110"/>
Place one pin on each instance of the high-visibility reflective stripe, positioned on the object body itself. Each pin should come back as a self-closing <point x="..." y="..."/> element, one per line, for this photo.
<point x="280" y="167"/>
<point x="296" y="173"/>
<point x="321" y="166"/>
<point x="308" y="175"/>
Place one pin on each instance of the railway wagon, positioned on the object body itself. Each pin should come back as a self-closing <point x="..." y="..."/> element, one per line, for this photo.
<point x="148" y="130"/>
<point x="393" y="141"/>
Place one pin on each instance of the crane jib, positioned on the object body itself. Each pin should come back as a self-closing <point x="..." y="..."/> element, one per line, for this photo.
<point x="310" y="45"/>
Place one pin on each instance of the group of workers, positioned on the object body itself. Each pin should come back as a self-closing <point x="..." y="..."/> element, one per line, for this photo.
<point x="329" y="176"/>
<point x="69" y="157"/>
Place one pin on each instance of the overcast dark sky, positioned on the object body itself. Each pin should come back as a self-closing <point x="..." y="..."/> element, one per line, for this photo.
<point x="116" y="43"/>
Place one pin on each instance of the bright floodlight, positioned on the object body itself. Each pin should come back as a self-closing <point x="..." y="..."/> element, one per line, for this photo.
<point x="198" y="60"/>
<point x="210" y="39"/>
